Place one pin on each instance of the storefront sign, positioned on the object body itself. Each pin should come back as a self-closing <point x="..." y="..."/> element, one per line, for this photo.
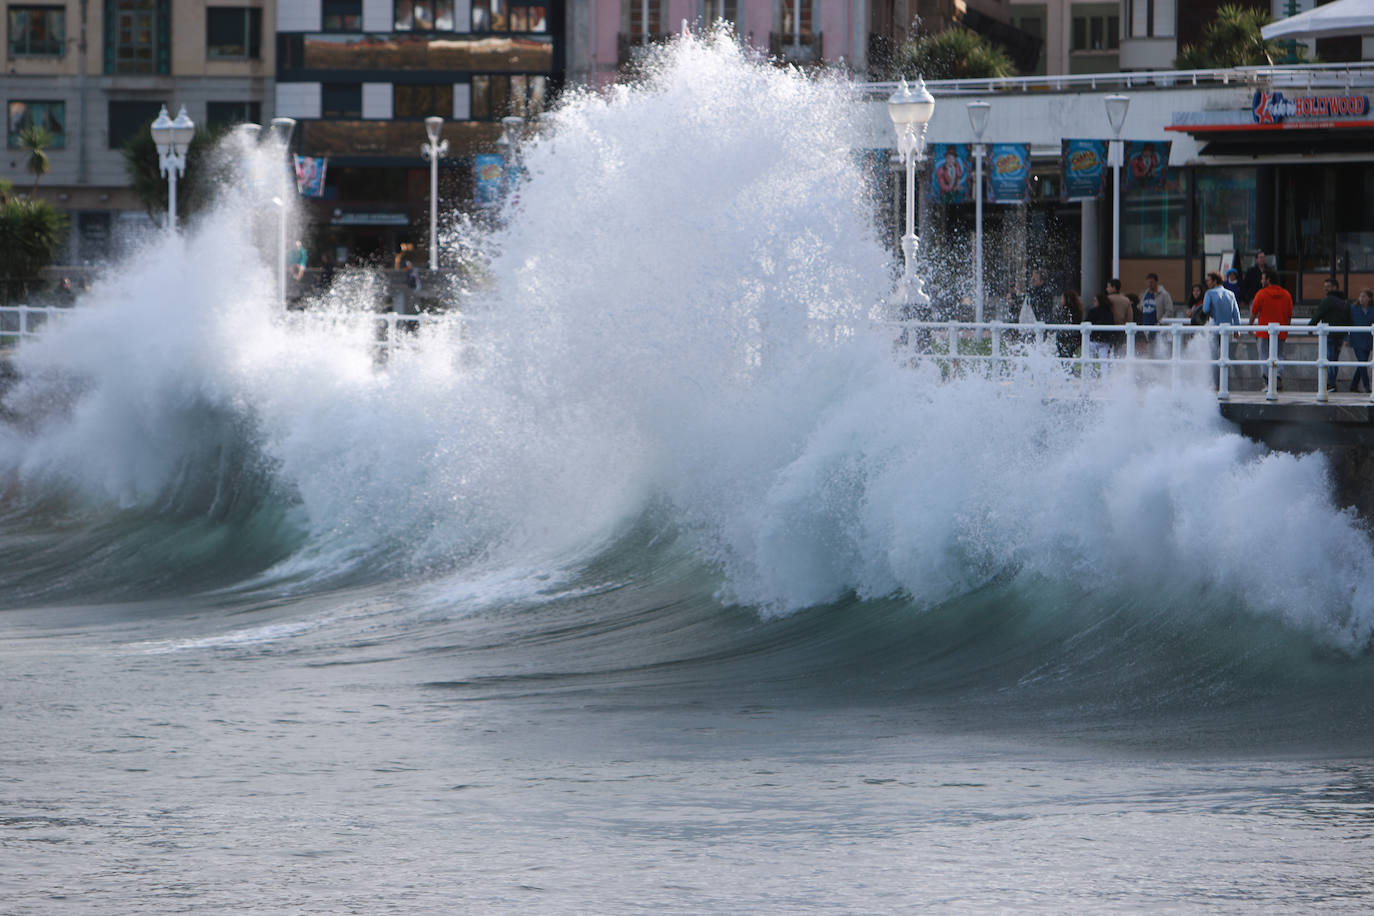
<point x="1083" y="164"/>
<point x="1273" y="108"/>
<point x="1147" y="163"/>
<point x="1009" y="173"/>
<point x="368" y="218"/>
<point x="949" y="180"/>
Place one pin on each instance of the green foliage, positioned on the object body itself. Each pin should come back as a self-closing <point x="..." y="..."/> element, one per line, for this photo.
<point x="195" y="187"/>
<point x="1232" y="39"/>
<point x="956" y="53"/>
<point x="35" y="140"/>
<point x="32" y="233"/>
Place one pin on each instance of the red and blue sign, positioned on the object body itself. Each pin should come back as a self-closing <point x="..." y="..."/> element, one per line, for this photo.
<point x="1273" y="107"/>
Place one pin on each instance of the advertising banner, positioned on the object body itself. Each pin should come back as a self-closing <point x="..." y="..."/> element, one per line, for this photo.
<point x="949" y="179"/>
<point x="1084" y="166"/>
<point x="1146" y="165"/>
<point x="1009" y="173"/>
<point x="488" y="170"/>
<point x="310" y="175"/>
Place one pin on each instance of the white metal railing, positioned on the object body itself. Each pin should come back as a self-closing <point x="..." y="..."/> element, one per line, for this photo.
<point x="22" y="322"/>
<point x="1298" y="76"/>
<point x="1158" y="353"/>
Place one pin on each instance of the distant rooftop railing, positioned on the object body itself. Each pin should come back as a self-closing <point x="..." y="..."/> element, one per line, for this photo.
<point x="1295" y="76"/>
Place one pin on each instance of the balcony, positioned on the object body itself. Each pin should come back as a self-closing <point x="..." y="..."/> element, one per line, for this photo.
<point x="802" y="50"/>
<point x="480" y="53"/>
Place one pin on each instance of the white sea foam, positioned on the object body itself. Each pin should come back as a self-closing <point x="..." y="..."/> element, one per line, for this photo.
<point x="648" y="330"/>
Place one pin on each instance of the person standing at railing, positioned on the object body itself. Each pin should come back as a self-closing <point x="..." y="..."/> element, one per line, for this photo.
<point x="1335" y="311"/>
<point x="1254" y="280"/>
<point x="1195" y="296"/>
<point x="1122" y="312"/>
<point x="1362" y="342"/>
<point x="1040" y="297"/>
<point x="1272" y="305"/>
<point x="1068" y="310"/>
<point x="1101" y="343"/>
<point x="1219" y="306"/>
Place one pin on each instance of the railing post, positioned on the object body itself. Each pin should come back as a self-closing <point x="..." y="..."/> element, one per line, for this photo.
<point x="1321" y="363"/>
<point x="1130" y="342"/>
<point x="1175" y="337"/>
<point x="1272" y="360"/>
<point x="953" y="348"/>
<point x="996" y="348"/>
<point x="1084" y="330"/>
<point x="1223" y="362"/>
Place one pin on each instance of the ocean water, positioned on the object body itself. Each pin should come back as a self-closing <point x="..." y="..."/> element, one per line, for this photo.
<point x="661" y="588"/>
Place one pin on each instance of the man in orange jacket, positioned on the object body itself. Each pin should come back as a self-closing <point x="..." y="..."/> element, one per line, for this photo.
<point x="1272" y="304"/>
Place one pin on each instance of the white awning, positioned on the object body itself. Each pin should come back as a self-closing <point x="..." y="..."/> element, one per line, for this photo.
<point x="1342" y="17"/>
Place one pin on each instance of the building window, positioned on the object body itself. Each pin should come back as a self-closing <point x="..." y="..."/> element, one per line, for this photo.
<point x="128" y="118"/>
<point x="716" y="10"/>
<point x="51" y="116"/>
<point x="1096" y="33"/>
<point x="422" y="101"/>
<point x="219" y="115"/>
<point x="341" y="100"/>
<point x="504" y="16"/>
<point x="495" y="97"/>
<point x="138" y="36"/>
<point x="796" y="17"/>
<point x="424" y="15"/>
<point x="1154" y="220"/>
<point x="233" y="32"/>
<point x="645" y="17"/>
<point x="343" y="15"/>
<point x="38" y="31"/>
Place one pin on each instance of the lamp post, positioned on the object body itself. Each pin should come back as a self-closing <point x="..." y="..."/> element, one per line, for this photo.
<point x="282" y="128"/>
<point x="1116" y="114"/>
<point x="432" y="151"/>
<point x="173" y="139"/>
<point x="910" y="113"/>
<point x="978" y="119"/>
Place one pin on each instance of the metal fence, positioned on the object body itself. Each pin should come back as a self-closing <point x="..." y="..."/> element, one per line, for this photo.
<point x="1236" y="356"/>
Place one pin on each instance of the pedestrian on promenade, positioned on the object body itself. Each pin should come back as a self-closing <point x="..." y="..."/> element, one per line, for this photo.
<point x="1155" y="302"/>
<point x="1333" y="310"/>
<point x="1254" y="280"/>
<point x="1101" y="343"/>
<point x="1219" y="306"/>
<point x="300" y="258"/>
<point x="1068" y="310"/>
<point x="1040" y="297"/>
<point x="1195" y="296"/>
<point x="1232" y="282"/>
<point x="1362" y="342"/>
<point x="1272" y="304"/>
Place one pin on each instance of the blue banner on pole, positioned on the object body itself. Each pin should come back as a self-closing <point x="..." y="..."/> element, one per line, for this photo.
<point x="1147" y="162"/>
<point x="1009" y="175"/>
<point x="488" y="172"/>
<point x="1084" y="164"/>
<point x="310" y="175"/>
<point x="949" y="180"/>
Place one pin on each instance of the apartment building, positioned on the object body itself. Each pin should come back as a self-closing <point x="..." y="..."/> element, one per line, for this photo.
<point x="94" y="72"/>
<point x="360" y="77"/>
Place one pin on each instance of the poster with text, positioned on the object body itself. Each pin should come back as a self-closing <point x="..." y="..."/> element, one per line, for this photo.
<point x="488" y="172"/>
<point x="1084" y="166"/>
<point x="310" y="175"/>
<point x="1009" y="173"/>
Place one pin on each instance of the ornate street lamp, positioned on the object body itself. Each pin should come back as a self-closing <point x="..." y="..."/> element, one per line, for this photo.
<point x="978" y="113"/>
<point x="1116" y="114"/>
<point x="173" y="139"/>
<point x="910" y="113"/>
<point x="432" y="151"/>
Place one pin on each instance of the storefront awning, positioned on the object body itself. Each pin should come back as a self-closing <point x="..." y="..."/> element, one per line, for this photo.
<point x="1331" y="20"/>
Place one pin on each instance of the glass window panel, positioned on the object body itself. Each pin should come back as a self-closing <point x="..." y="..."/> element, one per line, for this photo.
<point x="1113" y="32"/>
<point x="481" y="97"/>
<point x="498" y="16"/>
<point x="1154" y="221"/>
<point x="1226" y="205"/>
<point x="481" y="16"/>
<point x="405" y="16"/>
<point x="443" y="15"/>
<point x="424" y="19"/>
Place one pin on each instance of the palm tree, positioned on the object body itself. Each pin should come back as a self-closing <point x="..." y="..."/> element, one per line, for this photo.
<point x="31" y="235"/>
<point x="955" y="53"/>
<point x="35" y="140"/>
<point x="1232" y="39"/>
